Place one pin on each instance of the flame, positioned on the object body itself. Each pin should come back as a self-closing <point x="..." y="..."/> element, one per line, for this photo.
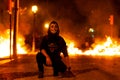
<point x="72" y="50"/>
<point x="107" y="48"/>
<point x="5" y="44"/>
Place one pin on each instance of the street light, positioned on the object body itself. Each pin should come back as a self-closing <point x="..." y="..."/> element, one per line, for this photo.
<point x="46" y="25"/>
<point x="34" y="10"/>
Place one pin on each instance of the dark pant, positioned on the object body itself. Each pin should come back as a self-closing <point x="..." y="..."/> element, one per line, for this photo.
<point x="57" y="64"/>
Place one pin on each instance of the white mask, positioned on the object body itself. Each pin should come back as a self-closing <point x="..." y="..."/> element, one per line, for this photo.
<point x="53" y="28"/>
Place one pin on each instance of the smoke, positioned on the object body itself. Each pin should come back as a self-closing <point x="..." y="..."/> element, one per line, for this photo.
<point x="98" y="13"/>
<point x="74" y="17"/>
<point x="64" y="12"/>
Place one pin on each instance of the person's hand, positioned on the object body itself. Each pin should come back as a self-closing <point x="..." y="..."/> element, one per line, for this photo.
<point x="69" y="68"/>
<point x="48" y="61"/>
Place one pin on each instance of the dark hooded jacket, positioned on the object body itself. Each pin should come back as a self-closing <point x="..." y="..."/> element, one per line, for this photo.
<point x="54" y="44"/>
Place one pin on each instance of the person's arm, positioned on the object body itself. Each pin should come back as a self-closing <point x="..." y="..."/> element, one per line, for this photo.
<point x="65" y="53"/>
<point x="67" y="62"/>
<point x="43" y="51"/>
<point x="48" y="60"/>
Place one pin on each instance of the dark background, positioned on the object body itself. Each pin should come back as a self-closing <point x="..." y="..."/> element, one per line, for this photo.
<point x="74" y="17"/>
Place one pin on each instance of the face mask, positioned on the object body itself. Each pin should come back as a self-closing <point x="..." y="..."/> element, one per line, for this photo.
<point x="53" y="28"/>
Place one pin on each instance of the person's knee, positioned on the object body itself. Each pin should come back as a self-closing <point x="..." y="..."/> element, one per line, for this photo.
<point x="39" y="56"/>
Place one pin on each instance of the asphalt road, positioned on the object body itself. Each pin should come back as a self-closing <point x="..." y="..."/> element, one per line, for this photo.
<point x="83" y="67"/>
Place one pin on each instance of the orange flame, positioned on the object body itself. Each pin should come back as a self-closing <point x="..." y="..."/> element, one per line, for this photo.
<point x="5" y="44"/>
<point x="107" y="48"/>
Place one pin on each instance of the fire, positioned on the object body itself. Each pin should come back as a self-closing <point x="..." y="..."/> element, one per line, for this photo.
<point x="5" y="44"/>
<point x="72" y="50"/>
<point x="107" y="48"/>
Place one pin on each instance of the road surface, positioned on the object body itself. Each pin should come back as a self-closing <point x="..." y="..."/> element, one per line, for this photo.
<point x="83" y="67"/>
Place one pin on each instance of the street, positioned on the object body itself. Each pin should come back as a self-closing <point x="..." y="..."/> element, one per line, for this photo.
<point x="83" y="67"/>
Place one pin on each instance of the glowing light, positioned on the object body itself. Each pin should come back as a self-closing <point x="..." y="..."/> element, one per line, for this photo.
<point x="34" y="9"/>
<point x="46" y="25"/>
<point x="91" y="30"/>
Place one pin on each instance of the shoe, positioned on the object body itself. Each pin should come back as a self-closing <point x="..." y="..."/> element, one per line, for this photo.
<point x="67" y="74"/>
<point x="40" y="75"/>
<point x="55" y="73"/>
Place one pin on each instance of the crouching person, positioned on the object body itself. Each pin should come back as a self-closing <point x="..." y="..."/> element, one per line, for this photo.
<point x="50" y="48"/>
